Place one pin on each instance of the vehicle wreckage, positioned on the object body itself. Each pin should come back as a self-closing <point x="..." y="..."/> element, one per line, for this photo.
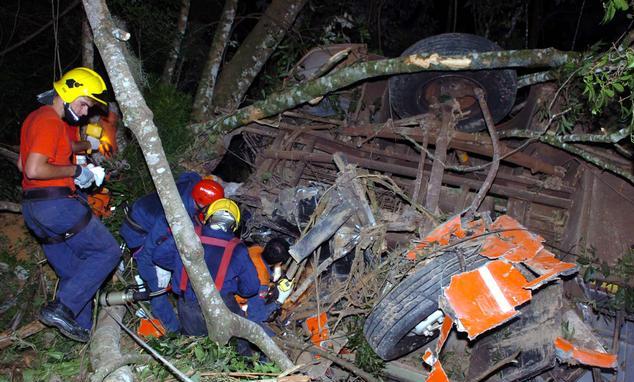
<point x="409" y="201"/>
<point x="352" y="181"/>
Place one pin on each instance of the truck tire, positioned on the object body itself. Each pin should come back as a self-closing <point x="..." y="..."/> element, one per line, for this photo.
<point x="409" y="93"/>
<point x="388" y="328"/>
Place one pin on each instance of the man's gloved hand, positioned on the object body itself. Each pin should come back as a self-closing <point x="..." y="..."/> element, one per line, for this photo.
<point x="94" y="142"/>
<point x="284" y="289"/>
<point x="83" y="177"/>
<point x="163" y="276"/>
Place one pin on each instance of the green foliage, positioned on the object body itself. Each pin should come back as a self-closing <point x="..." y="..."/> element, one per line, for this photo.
<point x="598" y="91"/>
<point x="364" y="356"/>
<point x="595" y="269"/>
<point x="611" y="6"/>
<point x="171" y="109"/>
<point x="201" y="355"/>
<point x="44" y="356"/>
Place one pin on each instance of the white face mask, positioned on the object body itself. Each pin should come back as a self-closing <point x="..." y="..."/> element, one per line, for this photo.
<point x="277" y="273"/>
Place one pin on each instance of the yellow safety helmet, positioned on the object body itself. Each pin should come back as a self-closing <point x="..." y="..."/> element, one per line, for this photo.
<point x="227" y="205"/>
<point x="80" y="82"/>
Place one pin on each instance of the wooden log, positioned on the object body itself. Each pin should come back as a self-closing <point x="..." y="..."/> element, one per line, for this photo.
<point x="7" y="337"/>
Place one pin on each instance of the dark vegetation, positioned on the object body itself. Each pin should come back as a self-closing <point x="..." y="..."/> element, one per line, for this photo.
<point x="386" y="29"/>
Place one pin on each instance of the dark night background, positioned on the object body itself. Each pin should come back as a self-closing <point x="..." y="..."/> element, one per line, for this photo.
<point x="387" y="27"/>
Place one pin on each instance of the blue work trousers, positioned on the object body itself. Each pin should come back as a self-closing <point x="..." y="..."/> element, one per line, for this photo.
<point x="161" y="305"/>
<point x="191" y="316"/>
<point x="83" y="261"/>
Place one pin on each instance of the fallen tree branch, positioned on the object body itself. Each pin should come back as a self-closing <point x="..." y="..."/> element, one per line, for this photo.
<point x="289" y="98"/>
<point x="613" y="137"/>
<point x="104" y="371"/>
<point x="11" y="155"/>
<point x="10" y="206"/>
<point x="8" y="337"/>
<point x="535" y="78"/>
<point x="290" y="344"/>
<point x="105" y="345"/>
<point x="181" y="376"/>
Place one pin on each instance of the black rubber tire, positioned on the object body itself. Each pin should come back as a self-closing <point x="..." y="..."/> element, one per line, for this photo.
<point x="407" y="304"/>
<point x="500" y="86"/>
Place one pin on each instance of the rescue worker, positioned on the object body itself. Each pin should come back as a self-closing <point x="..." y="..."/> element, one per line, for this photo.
<point x="79" y="248"/>
<point x="227" y="260"/>
<point x="268" y="262"/>
<point x="145" y="225"/>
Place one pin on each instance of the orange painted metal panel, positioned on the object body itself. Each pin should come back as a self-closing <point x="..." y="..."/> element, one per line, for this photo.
<point x="570" y="353"/>
<point x="437" y="374"/>
<point x="486" y="297"/>
<point x="440" y="235"/>
<point x="514" y="243"/>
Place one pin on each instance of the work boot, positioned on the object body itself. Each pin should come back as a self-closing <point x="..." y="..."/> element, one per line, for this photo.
<point x="57" y="315"/>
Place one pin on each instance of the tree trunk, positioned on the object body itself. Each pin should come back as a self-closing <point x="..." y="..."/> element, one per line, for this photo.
<point x="236" y="76"/>
<point x="174" y="53"/>
<point x="104" y="347"/>
<point x="204" y="94"/>
<point x="87" y="47"/>
<point x="297" y="95"/>
<point x="221" y="323"/>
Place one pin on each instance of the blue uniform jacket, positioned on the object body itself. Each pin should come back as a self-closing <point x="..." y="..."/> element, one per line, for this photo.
<point x="148" y="213"/>
<point x="241" y="277"/>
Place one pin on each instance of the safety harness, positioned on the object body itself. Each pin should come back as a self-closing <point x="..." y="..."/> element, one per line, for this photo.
<point x="49" y="193"/>
<point x="229" y="246"/>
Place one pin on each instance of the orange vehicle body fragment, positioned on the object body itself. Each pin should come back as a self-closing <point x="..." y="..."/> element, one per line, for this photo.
<point x="569" y="353"/>
<point x="486" y="297"/>
<point x="437" y="374"/>
<point x="513" y="242"/>
<point x="548" y="267"/>
<point x="440" y="235"/>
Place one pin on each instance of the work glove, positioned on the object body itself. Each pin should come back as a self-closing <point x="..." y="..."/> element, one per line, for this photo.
<point x="83" y="177"/>
<point x="284" y="289"/>
<point x="163" y="277"/>
<point x="94" y="142"/>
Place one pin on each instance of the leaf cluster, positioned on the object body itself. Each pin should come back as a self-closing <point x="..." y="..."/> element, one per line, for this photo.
<point x="610" y="8"/>
<point x="598" y="90"/>
<point x="593" y="268"/>
<point x="200" y="355"/>
<point x="364" y="356"/>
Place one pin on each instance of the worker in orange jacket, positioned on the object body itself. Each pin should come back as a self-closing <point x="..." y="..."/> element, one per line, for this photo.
<point x="268" y="262"/>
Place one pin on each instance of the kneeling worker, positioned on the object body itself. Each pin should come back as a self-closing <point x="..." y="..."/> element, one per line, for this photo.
<point x="269" y="262"/>
<point x="227" y="260"/>
<point x="145" y="225"/>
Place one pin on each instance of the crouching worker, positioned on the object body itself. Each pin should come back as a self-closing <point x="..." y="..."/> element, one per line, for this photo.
<point x="269" y="262"/>
<point x="145" y="226"/>
<point x="77" y="245"/>
<point x="227" y="260"/>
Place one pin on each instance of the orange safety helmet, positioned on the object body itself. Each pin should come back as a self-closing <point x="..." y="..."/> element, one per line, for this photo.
<point x="207" y="191"/>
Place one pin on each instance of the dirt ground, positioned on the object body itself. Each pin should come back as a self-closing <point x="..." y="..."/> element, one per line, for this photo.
<point x="14" y="236"/>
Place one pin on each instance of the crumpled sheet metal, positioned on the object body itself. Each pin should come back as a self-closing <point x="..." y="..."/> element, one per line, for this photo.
<point x="486" y="297"/>
<point x="571" y="354"/>
<point x="440" y="235"/>
<point x="437" y="374"/>
<point x="513" y="242"/>
<point x="431" y="357"/>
